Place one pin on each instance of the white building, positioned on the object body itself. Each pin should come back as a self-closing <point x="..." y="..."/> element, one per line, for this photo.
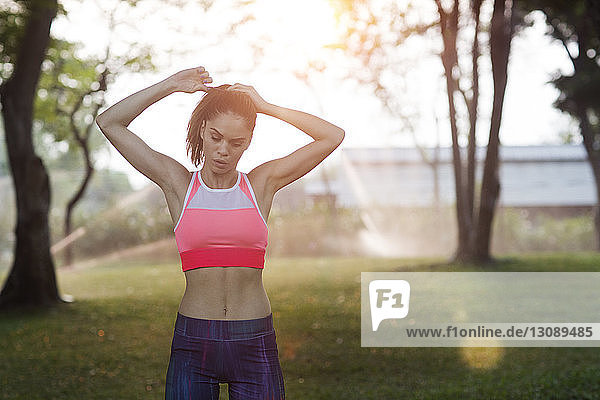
<point x="530" y="176"/>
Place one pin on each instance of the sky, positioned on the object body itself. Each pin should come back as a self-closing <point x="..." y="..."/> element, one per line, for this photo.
<point x="291" y="33"/>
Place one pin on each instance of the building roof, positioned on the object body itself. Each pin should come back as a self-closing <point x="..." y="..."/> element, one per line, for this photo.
<point x="402" y="155"/>
<point x="543" y="175"/>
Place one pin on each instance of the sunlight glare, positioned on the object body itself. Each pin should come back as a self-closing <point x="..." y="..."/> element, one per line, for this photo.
<point x="309" y="24"/>
<point x="482" y="358"/>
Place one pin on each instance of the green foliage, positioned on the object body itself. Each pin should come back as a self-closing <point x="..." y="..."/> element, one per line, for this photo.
<point x="67" y="83"/>
<point x="104" y="192"/>
<point x="575" y="25"/>
<point x="314" y="231"/>
<point x="10" y="34"/>
<point x="13" y="16"/>
<point x="123" y="229"/>
<point x="117" y="222"/>
<point x="65" y="78"/>
<point x="516" y="232"/>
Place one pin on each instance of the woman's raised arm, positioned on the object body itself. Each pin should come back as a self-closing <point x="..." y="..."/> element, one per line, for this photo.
<point x="285" y="170"/>
<point x="113" y="123"/>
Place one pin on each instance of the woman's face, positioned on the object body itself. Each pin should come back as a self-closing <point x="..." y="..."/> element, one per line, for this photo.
<point x="225" y="138"/>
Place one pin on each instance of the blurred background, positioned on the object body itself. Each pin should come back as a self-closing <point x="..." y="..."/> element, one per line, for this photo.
<point x="373" y="68"/>
<point x="472" y="142"/>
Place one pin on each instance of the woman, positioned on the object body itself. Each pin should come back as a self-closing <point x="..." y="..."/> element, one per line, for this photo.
<point x="224" y="326"/>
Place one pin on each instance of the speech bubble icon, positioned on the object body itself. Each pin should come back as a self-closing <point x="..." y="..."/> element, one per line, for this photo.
<point x="389" y="299"/>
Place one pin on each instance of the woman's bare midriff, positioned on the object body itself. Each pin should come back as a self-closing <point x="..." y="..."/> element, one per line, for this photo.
<point x="225" y="293"/>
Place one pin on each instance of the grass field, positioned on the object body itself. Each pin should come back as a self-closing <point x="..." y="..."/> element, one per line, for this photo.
<point x="113" y="341"/>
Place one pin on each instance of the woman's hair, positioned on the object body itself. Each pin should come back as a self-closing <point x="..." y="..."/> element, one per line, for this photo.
<point x="217" y="100"/>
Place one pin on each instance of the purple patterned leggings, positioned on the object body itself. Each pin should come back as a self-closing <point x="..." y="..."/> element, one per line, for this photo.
<point x="242" y="353"/>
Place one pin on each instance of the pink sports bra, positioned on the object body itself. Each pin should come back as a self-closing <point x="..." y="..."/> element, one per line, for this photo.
<point x="221" y="227"/>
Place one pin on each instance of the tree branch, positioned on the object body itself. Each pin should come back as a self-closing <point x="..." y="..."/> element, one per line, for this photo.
<point x="562" y="38"/>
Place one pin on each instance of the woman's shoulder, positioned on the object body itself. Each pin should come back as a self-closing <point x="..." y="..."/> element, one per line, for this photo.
<point x="258" y="174"/>
<point x="180" y="179"/>
<point x="259" y="178"/>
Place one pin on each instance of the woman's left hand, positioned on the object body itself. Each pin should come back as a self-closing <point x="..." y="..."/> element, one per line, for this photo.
<point x="260" y="103"/>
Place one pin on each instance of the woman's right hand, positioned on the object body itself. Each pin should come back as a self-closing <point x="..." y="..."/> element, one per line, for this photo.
<point x="191" y="80"/>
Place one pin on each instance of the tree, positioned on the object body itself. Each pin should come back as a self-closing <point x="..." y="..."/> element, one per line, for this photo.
<point x="501" y="32"/>
<point x="74" y="90"/>
<point x="65" y="108"/>
<point x="24" y="40"/>
<point x="576" y="24"/>
<point x="375" y="37"/>
<point x="32" y="279"/>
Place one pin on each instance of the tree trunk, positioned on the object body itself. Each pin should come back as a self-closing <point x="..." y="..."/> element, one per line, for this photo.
<point x="588" y="135"/>
<point x="449" y="28"/>
<point x="89" y="170"/>
<point x="500" y="37"/>
<point x="83" y="140"/>
<point x="472" y="106"/>
<point x="584" y="65"/>
<point x="32" y="280"/>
